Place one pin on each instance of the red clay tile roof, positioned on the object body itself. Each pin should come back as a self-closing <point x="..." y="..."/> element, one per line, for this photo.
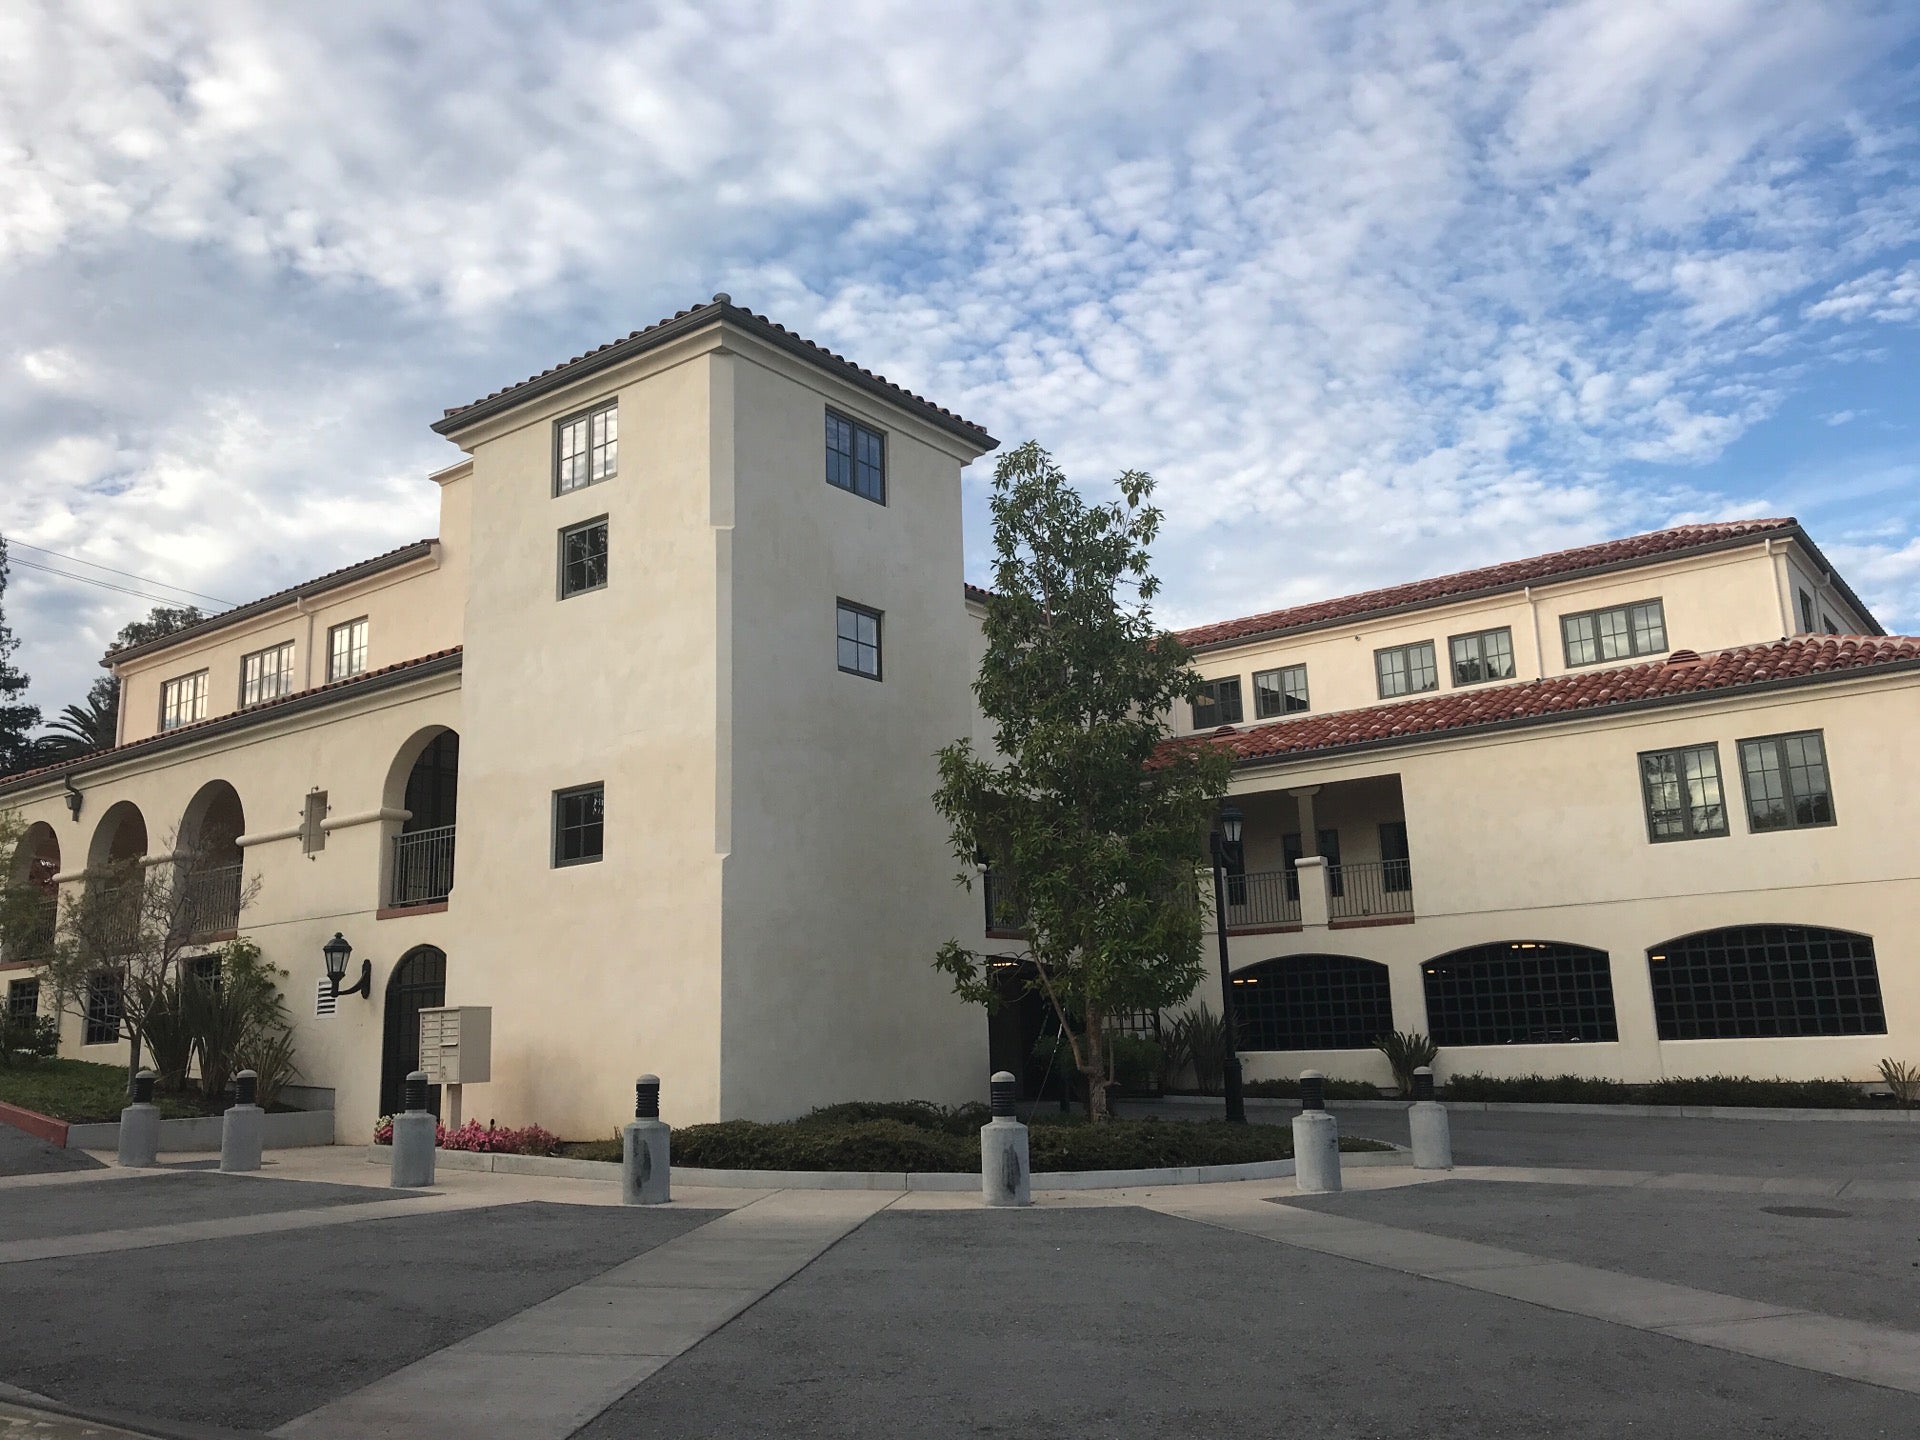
<point x="1490" y="579"/>
<point x="1680" y="677"/>
<point x="387" y="674"/>
<point x="413" y="550"/>
<point x="720" y="307"/>
<point x="979" y="594"/>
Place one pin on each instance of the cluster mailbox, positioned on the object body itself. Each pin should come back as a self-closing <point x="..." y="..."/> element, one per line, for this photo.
<point x="456" y="1044"/>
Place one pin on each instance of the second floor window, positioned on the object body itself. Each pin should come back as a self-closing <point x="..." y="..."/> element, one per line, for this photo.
<point x="1482" y="657"/>
<point x="1279" y="692"/>
<point x="583" y="558"/>
<point x="586" y="448"/>
<point x="1683" y="794"/>
<point x="183" y="701"/>
<point x="579" y="824"/>
<point x="1616" y="634"/>
<point x="1406" y="669"/>
<point x="1219" y="703"/>
<point x="1806" y="612"/>
<point x="1786" y="781"/>
<point x="857" y="639"/>
<point x="347" y="649"/>
<point x="856" y="458"/>
<point x="266" y="674"/>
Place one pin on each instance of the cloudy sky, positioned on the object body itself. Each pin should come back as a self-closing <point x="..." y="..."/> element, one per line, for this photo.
<point x="1375" y="290"/>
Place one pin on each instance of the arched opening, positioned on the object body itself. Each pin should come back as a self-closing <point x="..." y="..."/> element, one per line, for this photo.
<point x="1312" y="1002"/>
<point x="120" y="835"/>
<point x="32" y="899"/>
<point x="418" y="982"/>
<point x="211" y="884"/>
<point x="425" y="781"/>
<point x="1520" y="992"/>
<point x="1745" y="982"/>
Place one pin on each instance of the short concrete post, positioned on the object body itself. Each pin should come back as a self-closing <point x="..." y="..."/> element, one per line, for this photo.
<point x="1316" y="1139"/>
<point x="414" y="1133"/>
<point x="140" y="1126"/>
<point x="1005" y="1177"/>
<point x="1427" y="1118"/>
<point x="646" y="1153"/>
<point x="243" y="1130"/>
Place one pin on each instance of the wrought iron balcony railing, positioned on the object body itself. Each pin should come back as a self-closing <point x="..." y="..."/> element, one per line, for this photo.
<point x="210" y="901"/>
<point x="1261" y="898"/>
<point x="1373" y="888"/>
<point x="422" y="866"/>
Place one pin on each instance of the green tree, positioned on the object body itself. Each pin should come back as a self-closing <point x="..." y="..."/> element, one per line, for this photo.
<point x="17" y="718"/>
<point x="1094" y="832"/>
<point x="161" y="621"/>
<point x="83" y="729"/>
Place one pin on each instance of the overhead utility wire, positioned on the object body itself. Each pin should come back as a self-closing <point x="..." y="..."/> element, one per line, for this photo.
<point x="96" y="565"/>
<point x="102" y="584"/>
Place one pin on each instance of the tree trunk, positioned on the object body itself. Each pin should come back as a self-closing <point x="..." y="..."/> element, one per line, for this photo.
<point x="133" y="1061"/>
<point x="1094" y="1066"/>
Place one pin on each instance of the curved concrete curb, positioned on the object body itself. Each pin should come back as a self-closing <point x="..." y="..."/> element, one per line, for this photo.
<point x="561" y="1167"/>
<point x="1532" y="1107"/>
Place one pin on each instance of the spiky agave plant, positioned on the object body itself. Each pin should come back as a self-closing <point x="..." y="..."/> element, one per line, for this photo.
<point x="1406" y="1052"/>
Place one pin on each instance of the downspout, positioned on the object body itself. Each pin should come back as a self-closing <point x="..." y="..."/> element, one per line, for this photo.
<point x="1539" y="650"/>
<point x="306" y="652"/>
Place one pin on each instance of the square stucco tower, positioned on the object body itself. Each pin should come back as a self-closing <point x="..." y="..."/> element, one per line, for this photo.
<point x="759" y="923"/>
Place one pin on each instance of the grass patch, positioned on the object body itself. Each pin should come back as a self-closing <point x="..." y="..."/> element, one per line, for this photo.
<point x="924" y="1138"/>
<point x="1728" y="1090"/>
<point x="81" y="1092"/>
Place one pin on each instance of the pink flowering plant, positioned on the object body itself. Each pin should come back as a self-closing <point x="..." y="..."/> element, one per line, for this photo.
<point x="491" y="1138"/>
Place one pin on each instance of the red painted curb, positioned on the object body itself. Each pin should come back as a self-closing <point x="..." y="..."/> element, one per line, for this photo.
<point x="34" y="1123"/>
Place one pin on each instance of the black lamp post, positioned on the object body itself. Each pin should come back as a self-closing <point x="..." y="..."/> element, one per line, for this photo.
<point x="1226" y="833"/>
<point x="338" y="950"/>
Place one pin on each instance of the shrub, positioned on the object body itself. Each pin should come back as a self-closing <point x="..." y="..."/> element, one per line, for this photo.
<point x="1406" y="1052"/>
<point x="920" y="1114"/>
<point x="1724" y="1090"/>
<point x="1902" y="1079"/>
<point x="1201" y="1041"/>
<point x="1137" y="1063"/>
<point x="1290" y="1089"/>
<point x="28" y="1037"/>
<point x="493" y="1139"/>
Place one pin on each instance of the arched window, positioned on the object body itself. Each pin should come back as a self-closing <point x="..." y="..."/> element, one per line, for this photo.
<point x="1312" y="1002"/>
<point x="1520" y="992"/>
<point x="1758" y="981"/>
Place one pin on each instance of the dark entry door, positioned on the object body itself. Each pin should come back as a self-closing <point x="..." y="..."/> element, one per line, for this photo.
<point x="419" y="982"/>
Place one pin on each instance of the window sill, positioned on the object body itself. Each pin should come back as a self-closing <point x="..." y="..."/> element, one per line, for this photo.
<point x="396" y="912"/>
<point x="1368" y="922"/>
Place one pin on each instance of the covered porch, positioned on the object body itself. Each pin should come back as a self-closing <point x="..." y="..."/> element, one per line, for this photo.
<point x="1334" y="855"/>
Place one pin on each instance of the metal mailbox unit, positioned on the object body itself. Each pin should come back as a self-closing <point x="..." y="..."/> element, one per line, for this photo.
<point x="456" y="1048"/>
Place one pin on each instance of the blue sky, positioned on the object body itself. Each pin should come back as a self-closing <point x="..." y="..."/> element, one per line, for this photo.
<point x="1375" y="290"/>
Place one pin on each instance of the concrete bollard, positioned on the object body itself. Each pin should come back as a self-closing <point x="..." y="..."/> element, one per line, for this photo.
<point x="1316" y="1139"/>
<point x="243" y="1130"/>
<point x="1427" y="1118"/>
<point x="646" y="1153"/>
<point x="1005" y="1176"/>
<point x="414" y="1133"/>
<point x="140" y="1126"/>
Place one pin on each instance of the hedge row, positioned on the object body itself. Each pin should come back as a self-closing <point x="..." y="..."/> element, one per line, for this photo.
<point x="1728" y="1090"/>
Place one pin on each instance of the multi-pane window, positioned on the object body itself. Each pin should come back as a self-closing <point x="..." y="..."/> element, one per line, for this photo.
<point x="1279" y="692"/>
<point x="347" y="649"/>
<point x="1683" y="795"/>
<point x="857" y="637"/>
<point x="266" y="674"/>
<point x="1487" y="655"/>
<point x="1520" y="992"/>
<point x="586" y="448"/>
<point x="579" y="824"/>
<point x="1312" y="1002"/>
<point x="1396" y="857"/>
<point x="23" y="999"/>
<point x="1406" y="669"/>
<point x="1218" y="703"/>
<point x="856" y="458"/>
<point x="1806" y="612"/>
<point x="103" y="1009"/>
<point x="1786" y="781"/>
<point x="1832" y="627"/>
<point x="1616" y="634"/>
<point x="583" y="557"/>
<point x="183" y="700"/>
<point x="1760" y="981"/>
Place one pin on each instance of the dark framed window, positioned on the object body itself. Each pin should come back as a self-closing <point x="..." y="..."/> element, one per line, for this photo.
<point x="103" y="1010"/>
<point x="1312" y="1002"/>
<point x="23" y="999"/>
<point x="1219" y="703"/>
<point x="1762" y="981"/>
<point x="1520" y="992"/>
<point x="205" y="969"/>
<point x="1786" y="781"/>
<point x="856" y="458"/>
<point x="1279" y="692"/>
<point x="1621" y="633"/>
<point x="579" y="824"/>
<point x="347" y="649"/>
<point x="1683" y="793"/>
<point x="1806" y="612"/>
<point x="266" y="674"/>
<point x="583" y="557"/>
<point x="586" y="448"/>
<point x="857" y="639"/>
<point x="1406" y="669"/>
<point x="1483" y="656"/>
<point x="183" y="700"/>
<point x="1328" y="849"/>
<point x="1832" y="628"/>
<point x="1396" y="860"/>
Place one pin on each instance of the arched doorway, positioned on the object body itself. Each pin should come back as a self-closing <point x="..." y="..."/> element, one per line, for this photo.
<point x="420" y="867"/>
<point x="418" y="982"/>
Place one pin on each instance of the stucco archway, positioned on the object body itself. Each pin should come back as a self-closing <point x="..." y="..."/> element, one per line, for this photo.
<point x="120" y="835"/>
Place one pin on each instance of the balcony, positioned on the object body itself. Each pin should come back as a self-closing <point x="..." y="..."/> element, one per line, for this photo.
<point x="30" y="924"/>
<point x="1332" y="855"/>
<point x="1262" y="900"/>
<point x="209" y="903"/>
<point x="1377" y="890"/>
<point x="422" y="867"/>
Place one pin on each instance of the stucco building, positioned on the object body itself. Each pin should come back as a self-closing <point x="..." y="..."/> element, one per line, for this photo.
<point x="638" y="750"/>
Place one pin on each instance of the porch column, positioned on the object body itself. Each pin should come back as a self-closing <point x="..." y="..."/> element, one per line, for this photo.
<point x="1309" y="833"/>
<point x="1312" y="870"/>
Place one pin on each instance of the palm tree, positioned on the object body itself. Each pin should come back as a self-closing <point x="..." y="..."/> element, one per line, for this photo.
<point x="82" y="729"/>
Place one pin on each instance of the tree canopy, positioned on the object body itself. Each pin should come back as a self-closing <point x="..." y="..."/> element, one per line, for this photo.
<point x="17" y="717"/>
